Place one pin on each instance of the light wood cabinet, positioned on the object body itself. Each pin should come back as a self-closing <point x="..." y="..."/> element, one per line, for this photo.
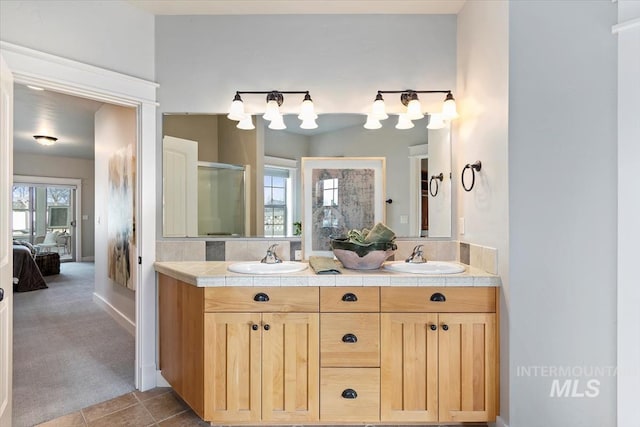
<point x="242" y="355"/>
<point x="261" y="367"/>
<point x="438" y="367"/>
<point x="306" y="355"/>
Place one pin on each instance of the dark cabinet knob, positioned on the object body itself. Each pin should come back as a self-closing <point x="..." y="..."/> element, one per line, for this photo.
<point x="267" y="327"/>
<point x="261" y="297"/>
<point x="433" y="327"/>
<point x="438" y="297"/>
<point x="445" y="327"/>
<point x="349" y="297"/>
<point x="1" y="294"/>
<point x="254" y="327"/>
<point x="349" y="394"/>
<point x="350" y="338"/>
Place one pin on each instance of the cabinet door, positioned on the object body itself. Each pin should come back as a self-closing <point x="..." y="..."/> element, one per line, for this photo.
<point x="467" y="350"/>
<point x="409" y="367"/>
<point x="290" y="367"/>
<point x="232" y="367"/>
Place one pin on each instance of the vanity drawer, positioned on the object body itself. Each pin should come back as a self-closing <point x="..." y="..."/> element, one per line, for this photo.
<point x="424" y="299"/>
<point x="350" y="340"/>
<point x="261" y="299"/>
<point x="350" y="299"/>
<point x="350" y="394"/>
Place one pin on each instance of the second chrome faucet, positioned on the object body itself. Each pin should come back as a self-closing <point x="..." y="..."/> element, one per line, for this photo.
<point x="271" y="257"/>
<point x="417" y="256"/>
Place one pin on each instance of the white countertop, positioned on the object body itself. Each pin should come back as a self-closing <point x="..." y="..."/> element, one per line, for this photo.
<point x="215" y="273"/>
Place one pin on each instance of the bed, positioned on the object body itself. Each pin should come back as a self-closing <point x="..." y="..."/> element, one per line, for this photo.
<point x="26" y="274"/>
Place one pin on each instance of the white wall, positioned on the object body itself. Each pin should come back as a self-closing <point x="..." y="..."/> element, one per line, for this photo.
<point x="65" y="167"/>
<point x="628" y="213"/>
<point x="562" y="209"/>
<point x="115" y="127"/>
<point x="201" y="61"/>
<point x="111" y="34"/>
<point x="481" y="134"/>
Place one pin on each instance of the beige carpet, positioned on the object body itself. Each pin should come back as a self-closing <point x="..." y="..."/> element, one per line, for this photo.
<point x="68" y="353"/>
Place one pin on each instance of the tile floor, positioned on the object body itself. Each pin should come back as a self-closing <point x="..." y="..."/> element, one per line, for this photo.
<point x="157" y="407"/>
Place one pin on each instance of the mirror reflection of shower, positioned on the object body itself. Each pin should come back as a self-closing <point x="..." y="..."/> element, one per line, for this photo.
<point x="221" y="199"/>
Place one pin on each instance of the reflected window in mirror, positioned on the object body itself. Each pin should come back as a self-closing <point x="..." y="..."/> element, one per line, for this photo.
<point x="279" y="199"/>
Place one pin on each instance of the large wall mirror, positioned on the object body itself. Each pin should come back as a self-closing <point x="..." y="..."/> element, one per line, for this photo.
<point x="264" y="198"/>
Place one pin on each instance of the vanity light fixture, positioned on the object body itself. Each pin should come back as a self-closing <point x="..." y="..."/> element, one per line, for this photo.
<point x="409" y="99"/>
<point x="272" y="112"/>
<point x="45" y="140"/>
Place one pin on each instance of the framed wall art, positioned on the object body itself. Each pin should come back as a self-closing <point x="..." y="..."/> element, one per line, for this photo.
<point x="339" y="194"/>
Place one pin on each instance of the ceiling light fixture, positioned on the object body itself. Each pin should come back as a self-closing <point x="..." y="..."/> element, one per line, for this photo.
<point x="409" y="99"/>
<point x="272" y="112"/>
<point x="45" y="140"/>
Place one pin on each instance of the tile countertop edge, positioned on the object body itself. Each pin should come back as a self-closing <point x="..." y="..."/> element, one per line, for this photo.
<point x="215" y="273"/>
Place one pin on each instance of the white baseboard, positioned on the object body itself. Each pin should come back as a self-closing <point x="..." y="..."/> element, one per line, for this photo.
<point x="500" y="422"/>
<point x="160" y="381"/>
<point x="117" y="315"/>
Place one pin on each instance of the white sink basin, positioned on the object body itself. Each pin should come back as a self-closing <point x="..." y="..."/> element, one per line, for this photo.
<point x="257" y="267"/>
<point x="429" y="267"/>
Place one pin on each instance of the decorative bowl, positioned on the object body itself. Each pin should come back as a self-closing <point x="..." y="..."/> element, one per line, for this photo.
<point x="356" y="256"/>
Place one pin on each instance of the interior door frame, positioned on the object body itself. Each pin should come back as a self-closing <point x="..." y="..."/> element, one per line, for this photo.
<point x="59" y="74"/>
<point x="6" y="254"/>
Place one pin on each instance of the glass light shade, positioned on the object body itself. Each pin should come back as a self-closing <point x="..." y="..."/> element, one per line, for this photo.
<point x="246" y="123"/>
<point x="404" y="122"/>
<point x="449" y="111"/>
<point x="236" y="111"/>
<point x="378" y="111"/>
<point x="414" y="110"/>
<point x="277" y="123"/>
<point x="309" y="124"/>
<point x="307" y="111"/>
<point x="45" y="140"/>
<point x="372" y="122"/>
<point x="435" y="121"/>
<point x="273" y="111"/>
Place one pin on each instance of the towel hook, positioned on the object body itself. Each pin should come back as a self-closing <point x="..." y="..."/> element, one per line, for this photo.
<point x="474" y="168"/>
<point x="435" y="178"/>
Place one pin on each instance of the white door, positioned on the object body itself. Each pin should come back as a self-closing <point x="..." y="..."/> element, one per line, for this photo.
<point x="179" y="187"/>
<point x="6" y="252"/>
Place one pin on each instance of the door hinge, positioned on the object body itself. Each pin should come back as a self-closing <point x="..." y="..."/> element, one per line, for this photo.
<point x="140" y="260"/>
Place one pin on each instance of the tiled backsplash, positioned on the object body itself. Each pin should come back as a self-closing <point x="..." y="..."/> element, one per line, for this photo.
<point x="477" y="256"/>
<point x="222" y="250"/>
<point x="482" y="257"/>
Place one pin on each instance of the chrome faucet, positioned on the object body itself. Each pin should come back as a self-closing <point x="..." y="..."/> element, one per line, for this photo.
<point x="271" y="257"/>
<point x="416" y="256"/>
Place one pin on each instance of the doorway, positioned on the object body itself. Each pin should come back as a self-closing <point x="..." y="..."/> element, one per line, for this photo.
<point x="52" y="72"/>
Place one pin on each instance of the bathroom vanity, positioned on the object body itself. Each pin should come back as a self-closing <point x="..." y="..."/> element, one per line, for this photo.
<point x="361" y="347"/>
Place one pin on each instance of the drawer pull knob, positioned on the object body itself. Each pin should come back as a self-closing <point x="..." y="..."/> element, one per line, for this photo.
<point x="445" y="327"/>
<point x="433" y="327"/>
<point x="261" y="297"/>
<point x="349" y="338"/>
<point x="267" y="327"/>
<point x="349" y="394"/>
<point x="438" y="297"/>
<point x="349" y="297"/>
<point x="254" y="327"/>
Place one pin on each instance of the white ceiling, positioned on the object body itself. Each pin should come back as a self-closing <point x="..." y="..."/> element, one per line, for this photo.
<point x="68" y="118"/>
<point x="71" y="119"/>
<point x="286" y="7"/>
